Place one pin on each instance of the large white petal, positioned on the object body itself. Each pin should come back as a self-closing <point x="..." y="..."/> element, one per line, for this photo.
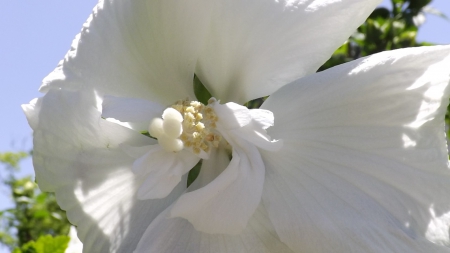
<point x="131" y="109"/>
<point x="77" y="155"/>
<point x="364" y="156"/>
<point x="176" y="235"/>
<point x="256" y="46"/>
<point x="163" y="171"/>
<point x="225" y="205"/>
<point x="142" y="49"/>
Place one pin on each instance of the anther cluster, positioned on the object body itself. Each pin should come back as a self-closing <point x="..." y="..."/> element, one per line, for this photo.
<point x="186" y="124"/>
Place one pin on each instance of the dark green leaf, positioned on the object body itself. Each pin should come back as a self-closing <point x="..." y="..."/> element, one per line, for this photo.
<point x="201" y="93"/>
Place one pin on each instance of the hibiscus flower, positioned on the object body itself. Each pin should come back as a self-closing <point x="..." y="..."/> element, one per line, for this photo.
<point x="352" y="159"/>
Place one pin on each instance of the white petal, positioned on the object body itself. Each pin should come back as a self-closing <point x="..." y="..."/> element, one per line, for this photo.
<point x="154" y="159"/>
<point x="262" y="117"/>
<point x="29" y="110"/>
<point x="77" y="155"/>
<point x="231" y="115"/>
<point x="438" y="228"/>
<point x="246" y="124"/>
<point x="211" y="168"/>
<point x="257" y="136"/>
<point x="75" y="245"/>
<point x="187" y="159"/>
<point x="139" y="49"/>
<point x="159" y="183"/>
<point x="162" y="171"/>
<point x="364" y="155"/>
<point x="226" y="204"/>
<point x="254" y="47"/>
<point x="176" y="235"/>
<point x="130" y="109"/>
<point x="137" y="152"/>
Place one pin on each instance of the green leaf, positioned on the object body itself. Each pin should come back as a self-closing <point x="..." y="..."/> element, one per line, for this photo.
<point x="46" y="244"/>
<point x="381" y="12"/>
<point x="418" y="4"/>
<point x="193" y="173"/>
<point x="12" y="159"/>
<point x="40" y="214"/>
<point x="201" y="93"/>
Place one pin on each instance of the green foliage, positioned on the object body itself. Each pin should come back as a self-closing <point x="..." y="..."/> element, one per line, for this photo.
<point x="201" y="93"/>
<point x="385" y="29"/>
<point x="45" y="244"/>
<point x="193" y="173"/>
<point x="34" y="213"/>
<point x="12" y="159"/>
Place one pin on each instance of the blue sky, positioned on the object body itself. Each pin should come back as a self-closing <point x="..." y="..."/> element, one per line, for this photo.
<point x="35" y="35"/>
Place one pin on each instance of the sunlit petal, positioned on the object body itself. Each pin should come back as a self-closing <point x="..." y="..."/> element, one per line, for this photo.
<point x="163" y="171"/>
<point x="226" y="204"/>
<point x="84" y="164"/>
<point x="346" y="180"/>
<point x="178" y="235"/>
<point x="169" y="235"/>
<point x="140" y="49"/>
<point x="232" y="115"/>
<point x="131" y="109"/>
<point x="254" y="47"/>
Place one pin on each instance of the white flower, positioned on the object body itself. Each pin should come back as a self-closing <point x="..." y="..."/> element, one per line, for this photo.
<point x="362" y="165"/>
<point x="187" y="132"/>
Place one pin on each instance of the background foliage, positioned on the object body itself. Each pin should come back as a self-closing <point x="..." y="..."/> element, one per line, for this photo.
<point x="28" y="227"/>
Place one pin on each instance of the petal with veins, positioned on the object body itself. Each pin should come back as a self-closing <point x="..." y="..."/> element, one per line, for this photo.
<point x="162" y="171"/>
<point x="254" y="47"/>
<point x="154" y="159"/>
<point x="139" y="49"/>
<point x="178" y="235"/>
<point x="84" y="164"/>
<point x="231" y="115"/>
<point x="345" y="179"/>
<point x="226" y="204"/>
<point x="263" y="117"/>
<point x="137" y="152"/>
<point x="130" y="109"/>
<point x="254" y="134"/>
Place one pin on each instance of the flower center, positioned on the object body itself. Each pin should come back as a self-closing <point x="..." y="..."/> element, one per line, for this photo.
<point x="187" y="124"/>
